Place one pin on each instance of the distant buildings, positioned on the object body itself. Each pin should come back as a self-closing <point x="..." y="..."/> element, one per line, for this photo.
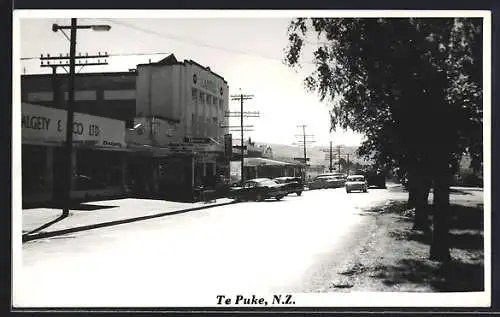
<point x="152" y="131"/>
<point x="259" y="162"/>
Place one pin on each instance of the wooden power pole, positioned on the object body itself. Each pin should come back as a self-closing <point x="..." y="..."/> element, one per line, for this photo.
<point x="241" y="114"/>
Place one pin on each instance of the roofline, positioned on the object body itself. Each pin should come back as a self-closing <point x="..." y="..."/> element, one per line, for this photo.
<point x="134" y="73"/>
<point x="190" y="61"/>
<point x="205" y="68"/>
<point x="158" y="64"/>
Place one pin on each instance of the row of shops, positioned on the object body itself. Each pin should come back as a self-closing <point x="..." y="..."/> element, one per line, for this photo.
<point x="110" y="160"/>
<point x="106" y="162"/>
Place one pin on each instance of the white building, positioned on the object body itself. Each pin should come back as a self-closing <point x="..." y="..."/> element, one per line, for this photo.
<point x="180" y="111"/>
<point x="185" y="98"/>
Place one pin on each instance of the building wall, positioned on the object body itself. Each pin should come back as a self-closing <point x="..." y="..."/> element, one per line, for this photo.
<point x="184" y="93"/>
<point x="109" y="95"/>
<point x="97" y="160"/>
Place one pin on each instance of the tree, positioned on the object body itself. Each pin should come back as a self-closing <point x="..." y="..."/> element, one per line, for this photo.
<point x="412" y="86"/>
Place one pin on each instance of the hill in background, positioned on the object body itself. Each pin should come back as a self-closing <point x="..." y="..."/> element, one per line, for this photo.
<point x="316" y="154"/>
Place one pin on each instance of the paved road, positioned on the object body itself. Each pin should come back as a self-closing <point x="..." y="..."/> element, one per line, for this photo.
<point x="250" y="247"/>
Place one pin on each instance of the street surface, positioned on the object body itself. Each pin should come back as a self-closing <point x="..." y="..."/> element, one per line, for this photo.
<point x="291" y="245"/>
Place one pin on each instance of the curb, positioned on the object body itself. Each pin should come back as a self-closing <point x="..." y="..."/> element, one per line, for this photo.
<point x="48" y="234"/>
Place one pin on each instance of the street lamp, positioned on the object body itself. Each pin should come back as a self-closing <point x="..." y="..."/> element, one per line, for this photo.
<point x="95" y="27"/>
<point x="71" y="99"/>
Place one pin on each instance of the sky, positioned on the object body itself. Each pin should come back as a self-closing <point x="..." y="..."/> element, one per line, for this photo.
<point x="247" y="52"/>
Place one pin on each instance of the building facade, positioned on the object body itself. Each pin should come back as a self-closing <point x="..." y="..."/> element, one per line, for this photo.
<point x="185" y="94"/>
<point x="98" y="160"/>
<point x="170" y="112"/>
<point x="180" y="110"/>
<point x="107" y="95"/>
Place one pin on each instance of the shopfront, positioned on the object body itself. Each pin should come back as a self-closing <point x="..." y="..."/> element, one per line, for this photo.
<point x="173" y="171"/>
<point x="98" y="160"/>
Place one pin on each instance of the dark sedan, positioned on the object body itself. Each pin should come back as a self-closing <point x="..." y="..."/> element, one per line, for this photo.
<point x="258" y="189"/>
<point x="293" y="184"/>
<point x="375" y="178"/>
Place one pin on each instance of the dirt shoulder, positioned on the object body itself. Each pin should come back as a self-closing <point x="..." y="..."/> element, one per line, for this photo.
<point x="392" y="257"/>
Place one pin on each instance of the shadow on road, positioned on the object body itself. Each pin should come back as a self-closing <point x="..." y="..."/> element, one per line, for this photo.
<point x="44" y="226"/>
<point x="459" y="192"/>
<point x="464" y="273"/>
<point x="78" y="207"/>
<point x="74" y="206"/>
<point x="456" y="276"/>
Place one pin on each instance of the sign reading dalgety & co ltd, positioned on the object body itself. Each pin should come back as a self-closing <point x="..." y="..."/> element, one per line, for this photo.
<point x="48" y="125"/>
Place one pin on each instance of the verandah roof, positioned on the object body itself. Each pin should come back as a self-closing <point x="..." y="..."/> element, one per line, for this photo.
<point x="259" y="161"/>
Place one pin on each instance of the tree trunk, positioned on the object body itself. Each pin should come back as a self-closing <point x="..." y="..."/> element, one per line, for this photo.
<point x="412" y="189"/>
<point x="419" y="193"/>
<point x="440" y="248"/>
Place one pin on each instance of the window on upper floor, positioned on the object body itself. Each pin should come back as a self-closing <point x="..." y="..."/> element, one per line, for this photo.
<point x="194" y="94"/>
<point x="214" y="101"/>
<point x="202" y="97"/>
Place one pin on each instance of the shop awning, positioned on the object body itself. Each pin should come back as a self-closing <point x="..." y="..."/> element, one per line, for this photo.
<point x="259" y="161"/>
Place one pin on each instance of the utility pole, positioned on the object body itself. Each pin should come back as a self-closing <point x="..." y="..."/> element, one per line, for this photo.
<point x="347" y="164"/>
<point x="242" y="128"/>
<point x="71" y="99"/>
<point x="338" y="148"/>
<point x="304" y="134"/>
<point x="304" y="142"/>
<point x="331" y="157"/>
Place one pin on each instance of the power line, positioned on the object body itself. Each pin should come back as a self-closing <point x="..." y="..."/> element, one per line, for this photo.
<point x="171" y="37"/>
<point x="304" y="142"/>
<point x="241" y="97"/>
<point x="111" y="55"/>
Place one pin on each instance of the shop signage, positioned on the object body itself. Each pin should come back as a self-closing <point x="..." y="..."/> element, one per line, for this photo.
<point x="195" y="147"/>
<point x="200" y="140"/>
<point x="235" y="171"/>
<point x="48" y="125"/>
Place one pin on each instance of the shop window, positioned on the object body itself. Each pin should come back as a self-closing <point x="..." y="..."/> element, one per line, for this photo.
<point x="33" y="169"/>
<point x="98" y="169"/>
<point x="194" y="94"/>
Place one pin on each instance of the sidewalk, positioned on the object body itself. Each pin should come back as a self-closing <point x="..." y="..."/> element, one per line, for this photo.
<point x="38" y="222"/>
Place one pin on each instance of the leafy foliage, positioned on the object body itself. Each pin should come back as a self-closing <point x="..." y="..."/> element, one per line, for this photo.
<point x="412" y="86"/>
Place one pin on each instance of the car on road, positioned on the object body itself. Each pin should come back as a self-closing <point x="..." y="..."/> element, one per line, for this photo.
<point x="293" y="184"/>
<point x="258" y="189"/>
<point x="318" y="182"/>
<point x="327" y="181"/>
<point x="356" y="182"/>
<point x="375" y="178"/>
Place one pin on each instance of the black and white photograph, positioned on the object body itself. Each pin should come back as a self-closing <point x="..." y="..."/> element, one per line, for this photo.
<point x="251" y="158"/>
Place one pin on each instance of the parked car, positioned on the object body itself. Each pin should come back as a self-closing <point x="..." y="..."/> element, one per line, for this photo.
<point x="258" y="189"/>
<point x="356" y="182"/>
<point x="293" y="184"/>
<point x="327" y="181"/>
<point x="375" y="178"/>
<point x="318" y="182"/>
